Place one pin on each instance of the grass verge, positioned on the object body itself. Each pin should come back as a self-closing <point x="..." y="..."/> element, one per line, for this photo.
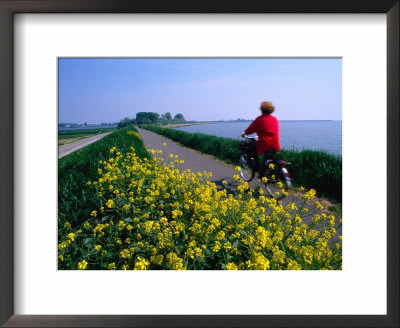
<point x="68" y="136"/>
<point x="75" y="198"/>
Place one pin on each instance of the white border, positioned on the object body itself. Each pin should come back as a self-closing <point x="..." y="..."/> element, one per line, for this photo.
<point x="360" y="288"/>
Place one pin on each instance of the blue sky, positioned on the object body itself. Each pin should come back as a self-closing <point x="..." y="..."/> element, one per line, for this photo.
<point x="202" y="89"/>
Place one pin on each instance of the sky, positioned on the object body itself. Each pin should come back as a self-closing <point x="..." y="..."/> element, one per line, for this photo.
<point x="96" y="90"/>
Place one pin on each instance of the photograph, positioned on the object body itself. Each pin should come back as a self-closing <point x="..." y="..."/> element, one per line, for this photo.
<point x="228" y="149"/>
<point x="199" y="163"/>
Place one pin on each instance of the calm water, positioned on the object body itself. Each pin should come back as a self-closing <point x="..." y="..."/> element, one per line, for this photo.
<point x="315" y="135"/>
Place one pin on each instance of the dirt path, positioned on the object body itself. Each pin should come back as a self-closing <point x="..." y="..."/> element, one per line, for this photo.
<point x="67" y="149"/>
<point x="198" y="162"/>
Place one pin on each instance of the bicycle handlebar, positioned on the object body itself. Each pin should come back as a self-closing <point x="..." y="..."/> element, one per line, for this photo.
<point x="248" y="138"/>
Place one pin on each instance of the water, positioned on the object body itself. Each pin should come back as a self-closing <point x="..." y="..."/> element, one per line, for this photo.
<point x="298" y="135"/>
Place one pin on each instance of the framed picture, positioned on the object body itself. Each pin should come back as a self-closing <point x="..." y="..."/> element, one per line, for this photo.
<point x="21" y="286"/>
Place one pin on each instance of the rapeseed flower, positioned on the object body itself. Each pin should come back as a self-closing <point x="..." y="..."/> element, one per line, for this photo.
<point x="71" y="236"/>
<point x="169" y="218"/>
<point x="82" y="265"/>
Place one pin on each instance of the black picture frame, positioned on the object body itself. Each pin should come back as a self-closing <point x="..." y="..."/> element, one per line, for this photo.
<point x="10" y="7"/>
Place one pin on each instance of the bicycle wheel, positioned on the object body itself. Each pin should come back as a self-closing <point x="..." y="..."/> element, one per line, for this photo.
<point x="278" y="182"/>
<point x="246" y="167"/>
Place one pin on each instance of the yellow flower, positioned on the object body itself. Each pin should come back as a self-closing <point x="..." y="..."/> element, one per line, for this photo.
<point x="310" y="194"/>
<point x="71" y="236"/>
<point x="221" y="234"/>
<point x="181" y="219"/>
<point x="231" y="266"/>
<point x="157" y="259"/>
<point x="293" y="265"/>
<point x="227" y="245"/>
<point x="62" y="246"/>
<point x="141" y="264"/>
<point x="125" y="254"/>
<point x="82" y="265"/>
<point x="175" y="261"/>
<point x="110" y="203"/>
<point x="260" y="262"/>
<point x="291" y="206"/>
<point x="217" y="247"/>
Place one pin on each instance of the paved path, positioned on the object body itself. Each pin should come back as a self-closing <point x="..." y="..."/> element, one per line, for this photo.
<point x="67" y="149"/>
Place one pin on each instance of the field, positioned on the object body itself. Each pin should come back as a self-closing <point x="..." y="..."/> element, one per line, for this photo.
<point x="124" y="208"/>
<point x="68" y="136"/>
<point x="310" y="169"/>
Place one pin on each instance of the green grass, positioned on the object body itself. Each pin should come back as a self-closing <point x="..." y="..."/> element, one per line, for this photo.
<point x="316" y="169"/>
<point x="75" y="199"/>
<point x="68" y="136"/>
<point x="310" y="169"/>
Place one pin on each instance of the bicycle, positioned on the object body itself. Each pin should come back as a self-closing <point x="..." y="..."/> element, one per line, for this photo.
<point x="273" y="169"/>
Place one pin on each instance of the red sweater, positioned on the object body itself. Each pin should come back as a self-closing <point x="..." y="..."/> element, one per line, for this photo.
<point x="267" y="128"/>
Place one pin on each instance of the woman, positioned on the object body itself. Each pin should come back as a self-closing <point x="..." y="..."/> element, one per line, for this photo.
<point x="267" y="128"/>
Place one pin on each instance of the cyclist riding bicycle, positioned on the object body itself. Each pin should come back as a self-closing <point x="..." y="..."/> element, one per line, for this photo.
<point x="267" y="128"/>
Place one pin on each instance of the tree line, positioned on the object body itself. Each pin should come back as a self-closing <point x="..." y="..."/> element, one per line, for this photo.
<point x="151" y="118"/>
